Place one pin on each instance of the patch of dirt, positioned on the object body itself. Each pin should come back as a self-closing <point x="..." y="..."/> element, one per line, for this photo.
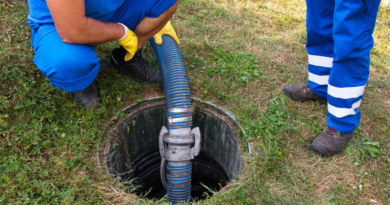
<point x="282" y="58"/>
<point x="375" y="72"/>
<point x="387" y="102"/>
<point x="322" y="188"/>
<point x="334" y="179"/>
<point x="7" y="3"/>
<point x="323" y="172"/>
<point x="152" y="92"/>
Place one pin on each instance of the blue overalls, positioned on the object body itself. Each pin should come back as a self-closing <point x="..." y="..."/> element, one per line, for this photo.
<point x="73" y="67"/>
<point x="339" y="40"/>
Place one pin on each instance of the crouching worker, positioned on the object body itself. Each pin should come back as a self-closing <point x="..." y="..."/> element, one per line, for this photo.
<point x="66" y="32"/>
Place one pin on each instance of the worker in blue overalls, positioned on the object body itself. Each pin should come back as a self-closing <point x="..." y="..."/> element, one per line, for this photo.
<point x="65" y="34"/>
<point x="339" y="40"/>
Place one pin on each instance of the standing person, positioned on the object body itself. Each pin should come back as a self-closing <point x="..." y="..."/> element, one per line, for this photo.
<point x="66" y="32"/>
<point x="339" y="40"/>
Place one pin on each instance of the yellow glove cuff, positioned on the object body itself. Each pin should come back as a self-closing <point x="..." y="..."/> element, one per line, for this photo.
<point x="167" y="30"/>
<point x="129" y="42"/>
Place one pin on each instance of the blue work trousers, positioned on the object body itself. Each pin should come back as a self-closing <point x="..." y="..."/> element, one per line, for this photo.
<point x="73" y="67"/>
<point x="339" y="40"/>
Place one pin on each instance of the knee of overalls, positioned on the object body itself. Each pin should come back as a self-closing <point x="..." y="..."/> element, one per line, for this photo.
<point x="69" y="67"/>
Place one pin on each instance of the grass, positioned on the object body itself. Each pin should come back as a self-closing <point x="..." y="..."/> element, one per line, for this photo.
<point x="239" y="54"/>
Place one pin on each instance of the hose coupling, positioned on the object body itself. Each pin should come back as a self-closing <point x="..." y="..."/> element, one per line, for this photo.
<point x="178" y="148"/>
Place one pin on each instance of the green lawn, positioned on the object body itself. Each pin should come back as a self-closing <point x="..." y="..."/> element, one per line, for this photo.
<point x="239" y="55"/>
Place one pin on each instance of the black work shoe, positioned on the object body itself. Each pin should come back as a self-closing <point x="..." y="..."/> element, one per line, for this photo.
<point x="137" y="67"/>
<point x="330" y="142"/>
<point x="89" y="97"/>
<point x="302" y="93"/>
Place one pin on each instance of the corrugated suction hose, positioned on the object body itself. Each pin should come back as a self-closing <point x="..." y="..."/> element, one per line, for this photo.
<point x="178" y="144"/>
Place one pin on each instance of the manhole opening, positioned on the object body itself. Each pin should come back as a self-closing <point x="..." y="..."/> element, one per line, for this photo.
<point x="145" y="174"/>
<point x="131" y="150"/>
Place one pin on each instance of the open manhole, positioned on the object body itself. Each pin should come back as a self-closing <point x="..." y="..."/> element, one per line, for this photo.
<point x="131" y="148"/>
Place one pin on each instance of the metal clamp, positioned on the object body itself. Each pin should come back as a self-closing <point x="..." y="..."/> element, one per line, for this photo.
<point x="198" y="140"/>
<point x="177" y="155"/>
<point x="181" y="119"/>
<point x="187" y="139"/>
<point x="179" y="110"/>
<point x="163" y="132"/>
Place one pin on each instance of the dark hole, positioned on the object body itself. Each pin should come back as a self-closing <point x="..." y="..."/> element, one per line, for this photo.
<point x="131" y="151"/>
<point x="144" y="172"/>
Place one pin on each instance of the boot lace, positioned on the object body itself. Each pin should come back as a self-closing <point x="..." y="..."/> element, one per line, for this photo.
<point x="143" y="64"/>
<point x="331" y="131"/>
<point x="305" y="88"/>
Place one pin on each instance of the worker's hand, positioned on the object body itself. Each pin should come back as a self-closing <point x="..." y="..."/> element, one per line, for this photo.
<point x="167" y="30"/>
<point x="129" y="42"/>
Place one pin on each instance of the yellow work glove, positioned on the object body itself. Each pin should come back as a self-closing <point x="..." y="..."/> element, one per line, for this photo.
<point x="129" y="42"/>
<point x="167" y="30"/>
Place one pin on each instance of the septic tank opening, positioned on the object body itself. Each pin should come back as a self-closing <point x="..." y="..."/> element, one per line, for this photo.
<point x="131" y="149"/>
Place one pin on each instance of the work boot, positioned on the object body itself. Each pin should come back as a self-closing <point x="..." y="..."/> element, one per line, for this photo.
<point x="137" y="67"/>
<point x="302" y="93"/>
<point x="330" y="142"/>
<point x="89" y="97"/>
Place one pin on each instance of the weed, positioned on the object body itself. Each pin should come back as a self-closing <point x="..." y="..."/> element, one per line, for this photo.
<point x="267" y="130"/>
<point x="234" y="65"/>
<point x="364" y="149"/>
